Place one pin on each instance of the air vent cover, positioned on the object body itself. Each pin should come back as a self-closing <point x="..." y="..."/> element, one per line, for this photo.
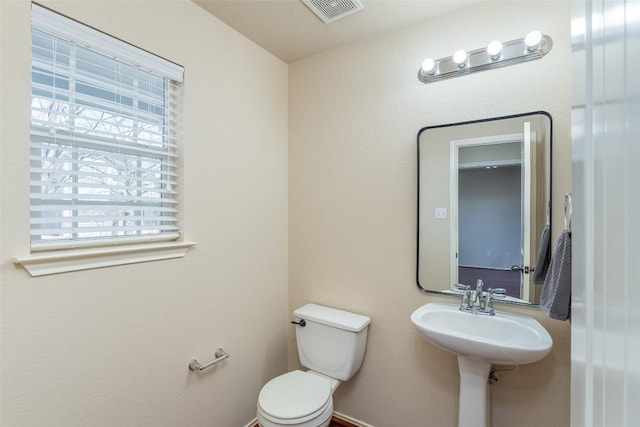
<point x="332" y="10"/>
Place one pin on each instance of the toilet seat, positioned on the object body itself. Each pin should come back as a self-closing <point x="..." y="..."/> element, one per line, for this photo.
<point x="295" y="397"/>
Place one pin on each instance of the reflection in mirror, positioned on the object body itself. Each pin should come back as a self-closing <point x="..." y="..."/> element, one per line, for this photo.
<point x="484" y="192"/>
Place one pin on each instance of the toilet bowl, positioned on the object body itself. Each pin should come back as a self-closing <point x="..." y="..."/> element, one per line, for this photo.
<point x="331" y="344"/>
<point x="296" y="399"/>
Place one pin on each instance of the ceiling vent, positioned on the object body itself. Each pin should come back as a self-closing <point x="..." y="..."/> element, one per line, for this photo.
<point x="332" y="10"/>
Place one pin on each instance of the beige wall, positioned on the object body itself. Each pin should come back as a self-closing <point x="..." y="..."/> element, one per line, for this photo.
<point x="110" y="347"/>
<point x="354" y="113"/>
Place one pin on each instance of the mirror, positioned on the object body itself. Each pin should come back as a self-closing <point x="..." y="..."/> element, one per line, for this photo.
<point x="484" y="200"/>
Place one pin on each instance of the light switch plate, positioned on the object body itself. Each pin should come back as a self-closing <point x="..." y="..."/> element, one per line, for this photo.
<point x="440" y="213"/>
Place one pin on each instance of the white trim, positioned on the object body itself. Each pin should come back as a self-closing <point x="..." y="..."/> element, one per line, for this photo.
<point x="102" y="243"/>
<point x="479" y="165"/>
<point x="453" y="214"/>
<point x="528" y="207"/>
<point x="252" y="423"/>
<point x="343" y="417"/>
<point x="351" y="420"/>
<point x="86" y="259"/>
<point x="69" y="29"/>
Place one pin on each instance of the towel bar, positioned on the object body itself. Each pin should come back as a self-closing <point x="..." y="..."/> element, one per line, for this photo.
<point x="220" y="354"/>
<point x="568" y="211"/>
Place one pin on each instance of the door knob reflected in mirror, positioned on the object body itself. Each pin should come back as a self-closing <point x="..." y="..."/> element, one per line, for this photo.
<point x="523" y="269"/>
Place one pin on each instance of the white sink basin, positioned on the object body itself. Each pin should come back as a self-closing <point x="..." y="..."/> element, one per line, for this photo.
<point x="503" y="339"/>
<point x="481" y="341"/>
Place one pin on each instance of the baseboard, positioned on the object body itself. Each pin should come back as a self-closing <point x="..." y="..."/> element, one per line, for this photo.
<point x="337" y="418"/>
<point x="253" y="423"/>
<point x="347" y="421"/>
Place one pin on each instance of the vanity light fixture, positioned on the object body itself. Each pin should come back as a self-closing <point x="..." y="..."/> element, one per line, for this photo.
<point x="497" y="54"/>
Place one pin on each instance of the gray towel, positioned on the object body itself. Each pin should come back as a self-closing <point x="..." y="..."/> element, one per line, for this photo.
<point x="544" y="257"/>
<point x="556" y="292"/>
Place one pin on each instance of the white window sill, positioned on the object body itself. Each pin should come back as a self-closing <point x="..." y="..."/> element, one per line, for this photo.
<point x="85" y="259"/>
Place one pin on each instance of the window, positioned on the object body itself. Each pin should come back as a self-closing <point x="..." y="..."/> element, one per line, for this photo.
<point x="103" y="138"/>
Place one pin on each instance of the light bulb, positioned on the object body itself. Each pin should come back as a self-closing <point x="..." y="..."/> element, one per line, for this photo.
<point x="494" y="49"/>
<point x="428" y="67"/>
<point x="532" y="40"/>
<point x="460" y="57"/>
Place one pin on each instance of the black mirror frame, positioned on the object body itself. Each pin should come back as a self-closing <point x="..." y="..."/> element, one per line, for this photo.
<point x="513" y="116"/>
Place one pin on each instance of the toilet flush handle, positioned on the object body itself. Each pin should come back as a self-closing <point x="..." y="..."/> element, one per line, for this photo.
<point x="301" y="323"/>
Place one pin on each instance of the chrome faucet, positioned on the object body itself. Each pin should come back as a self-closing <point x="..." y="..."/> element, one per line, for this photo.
<point x="477" y="301"/>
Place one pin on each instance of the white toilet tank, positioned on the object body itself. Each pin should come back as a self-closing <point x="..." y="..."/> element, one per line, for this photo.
<point x="332" y="342"/>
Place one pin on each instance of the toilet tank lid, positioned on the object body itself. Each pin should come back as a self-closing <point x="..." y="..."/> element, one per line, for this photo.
<point x="333" y="317"/>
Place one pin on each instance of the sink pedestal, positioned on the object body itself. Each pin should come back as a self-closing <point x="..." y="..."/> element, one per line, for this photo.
<point x="480" y="341"/>
<point x="474" y="393"/>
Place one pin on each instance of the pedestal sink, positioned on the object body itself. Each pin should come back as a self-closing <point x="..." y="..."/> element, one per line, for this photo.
<point x="480" y="341"/>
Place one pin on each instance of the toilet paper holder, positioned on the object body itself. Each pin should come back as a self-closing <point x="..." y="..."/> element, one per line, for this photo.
<point x="220" y="355"/>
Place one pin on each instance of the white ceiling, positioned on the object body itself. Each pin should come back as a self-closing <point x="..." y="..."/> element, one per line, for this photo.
<point x="289" y="30"/>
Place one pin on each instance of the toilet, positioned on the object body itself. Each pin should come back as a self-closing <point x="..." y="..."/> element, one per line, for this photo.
<point x="331" y="344"/>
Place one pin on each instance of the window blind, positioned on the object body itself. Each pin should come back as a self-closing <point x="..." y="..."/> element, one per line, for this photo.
<point x="103" y="140"/>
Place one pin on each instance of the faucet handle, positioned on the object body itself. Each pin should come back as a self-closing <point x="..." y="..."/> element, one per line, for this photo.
<point x="497" y="293"/>
<point x="492" y="294"/>
<point x="465" y="303"/>
<point x="461" y="287"/>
